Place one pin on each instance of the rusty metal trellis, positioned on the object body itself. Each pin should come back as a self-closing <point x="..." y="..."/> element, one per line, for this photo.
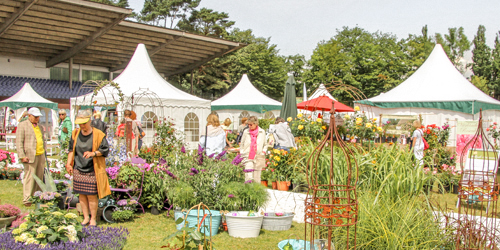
<point x="478" y="194"/>
<point x="331" y="204"/>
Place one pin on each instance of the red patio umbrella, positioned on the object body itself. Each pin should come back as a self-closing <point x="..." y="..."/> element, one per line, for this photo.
<point x="324" y="103"/>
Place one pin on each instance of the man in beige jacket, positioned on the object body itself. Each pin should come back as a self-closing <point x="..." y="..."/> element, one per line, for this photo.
<point x="31" y="151"/>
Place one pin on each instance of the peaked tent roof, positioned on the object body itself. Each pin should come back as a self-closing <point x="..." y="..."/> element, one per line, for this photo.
<point x="27" y="97"/>
<point x="436" y="84"/>
<point x="140" y="73"/>
<point x="321" y="90"/>
<point x="246" y="97"/>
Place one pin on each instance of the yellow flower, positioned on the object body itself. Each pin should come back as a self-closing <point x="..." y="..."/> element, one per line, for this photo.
<point x="40" y="236"/>
<point x="346" y="116"/>
<point x="289" y="119"/>
<point x="300" y="115"/>
<point x="23" y="226"/>
<point x="302" y="120"/>
<point x="324" y="127"/>
<point x="356" y="108"/>
<point x="374" y="162"/>
<point x="276" y="151"/>
<point x="275" y="164"/>
<point x="300" y="127"/>
<point x="277" y="158"/>
<point x="368" y="125"/>
<point x="312" y="123"/>
<point x="71" y="216"/>
<point x="319" y="120"/>
<point x="359" y="120"/>
<point x="379" y="128"/>
<point x="17" y="231"/>
<point x="374" y="119"/>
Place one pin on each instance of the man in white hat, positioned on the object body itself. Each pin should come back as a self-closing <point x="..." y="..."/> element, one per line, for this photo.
<point x="31" y="151"/>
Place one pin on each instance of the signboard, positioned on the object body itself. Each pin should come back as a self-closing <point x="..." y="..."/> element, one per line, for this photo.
<point x="128" y="135"/>
<point x="339" y="121"/>
<point x="467" y="127"/>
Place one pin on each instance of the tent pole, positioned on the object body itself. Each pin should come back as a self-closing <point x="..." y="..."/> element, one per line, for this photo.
<point x="191" y="82"/>
<point x="71" y="73"/>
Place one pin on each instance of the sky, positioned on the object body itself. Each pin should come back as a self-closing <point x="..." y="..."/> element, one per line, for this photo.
<point x="297" y="26"/>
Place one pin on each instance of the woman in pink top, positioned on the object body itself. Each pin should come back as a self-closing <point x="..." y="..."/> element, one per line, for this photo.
<point x="251" y="149"/>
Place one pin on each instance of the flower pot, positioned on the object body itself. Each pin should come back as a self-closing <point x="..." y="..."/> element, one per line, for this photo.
<point x="5" y="222"/>
<point x="275" y="185"/>
<point x="289" y="184"/>
<point x="224" y="226"/>
<point x="272" y="222"/>
<point x="444" y="189"/>
<point x="241" y="225"/>
<point x="455" y="189"/>
<point x="193" y="220"/>
<point x="282" y="186"/>
<point x="264" y="183"/>
<point x="154" y="210"/>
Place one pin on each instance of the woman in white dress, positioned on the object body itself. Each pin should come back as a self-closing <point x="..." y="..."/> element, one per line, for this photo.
<point x="418" y="143"/>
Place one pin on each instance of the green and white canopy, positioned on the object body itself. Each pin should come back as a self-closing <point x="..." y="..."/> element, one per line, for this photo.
<point x="437" y="84"/>
<point x="246" y="97"/>
<point x="27" y="97"/>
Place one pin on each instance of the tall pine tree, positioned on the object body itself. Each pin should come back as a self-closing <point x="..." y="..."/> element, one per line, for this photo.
<point x="481" y="55"/>
<point x="494" y="85"/>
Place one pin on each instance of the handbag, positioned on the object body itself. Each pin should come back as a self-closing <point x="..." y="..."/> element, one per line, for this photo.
<point x="426" y="145"/>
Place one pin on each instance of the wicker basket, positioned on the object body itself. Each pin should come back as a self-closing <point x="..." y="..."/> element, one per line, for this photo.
<point x="277" y="223"/>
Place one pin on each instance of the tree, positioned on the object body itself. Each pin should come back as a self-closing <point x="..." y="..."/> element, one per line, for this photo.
<point x="418" y="48"/>
<point x="455" y="43"/>
<point x="155" y="11"/>
<point x="119" y="3"/>
<point x="480" y="83"/>
<point x="481" y="55"/>
<point x="371" y="62"/>
<point x="494" y="84"/>
<point x="207" y="22"/>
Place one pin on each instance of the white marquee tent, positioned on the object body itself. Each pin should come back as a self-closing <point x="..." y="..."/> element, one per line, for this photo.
<point x="188" y="111"/>
<point x="27" y="97"/>
<point x="321" y="90"/>
<point x="245" y="100"/>
<point x="437" y="91"/>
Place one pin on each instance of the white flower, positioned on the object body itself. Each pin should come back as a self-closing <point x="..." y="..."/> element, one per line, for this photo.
<point x="31" y="241"/>
<point x="24" y="237"/>
<point x="71" y="216"/>
<point x="40" y="229"/>
<point x="57" y="213"/>
<point x="23" y="226"/>
<point x="17" y="231"/>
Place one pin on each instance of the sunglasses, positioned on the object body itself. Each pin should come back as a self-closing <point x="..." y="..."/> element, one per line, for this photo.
<point x="62" y="114"/>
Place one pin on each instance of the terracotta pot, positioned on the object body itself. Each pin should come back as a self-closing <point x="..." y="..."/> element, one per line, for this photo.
<point x="455" y="189"/>
<point x="264" y="183"/>
<point x="275" y="185"/>
<point x="224" y="226"/>
<point x="282" y="186"/>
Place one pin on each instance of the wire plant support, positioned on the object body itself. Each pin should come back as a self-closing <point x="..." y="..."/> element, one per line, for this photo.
<point x="478" y="194"/>
<point x="331" y="205"/>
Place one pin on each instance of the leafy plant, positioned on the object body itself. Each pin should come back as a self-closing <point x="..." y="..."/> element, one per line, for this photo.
<point x="8" y="210"/>
<point x="49" y="225"/>
<point x="122" y="215"/>
<point x="307" y="127"/>
<point x="190" y="238"/>
<point x="243" y="196"/>
<point x="49" y="184"/>
<point x="46" y="197"/>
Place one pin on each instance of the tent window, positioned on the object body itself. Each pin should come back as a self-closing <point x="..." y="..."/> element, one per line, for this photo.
<point x="192" y="127"/>
<point x="148" y="120"/>
<point x="243" y="114"/>
<point x="269" y="115"/>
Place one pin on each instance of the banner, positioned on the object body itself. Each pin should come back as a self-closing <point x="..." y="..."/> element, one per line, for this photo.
<point x="465" y="133"/>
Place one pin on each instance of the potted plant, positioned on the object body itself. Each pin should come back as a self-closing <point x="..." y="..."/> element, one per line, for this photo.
<point x="266" y="175"/>
<point x="8" y="214"/>
<point x="124" y="210"/>
<point x="49" y="195"/>
<point x="3" y="171"/>
<point x="13" y="173"/>
<point x="242" y="200"/>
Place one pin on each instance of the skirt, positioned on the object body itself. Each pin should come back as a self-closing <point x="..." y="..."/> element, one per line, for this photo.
<point x="84" y="183"/>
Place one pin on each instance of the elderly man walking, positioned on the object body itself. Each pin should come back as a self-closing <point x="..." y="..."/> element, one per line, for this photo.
<point x="31" y="152"/>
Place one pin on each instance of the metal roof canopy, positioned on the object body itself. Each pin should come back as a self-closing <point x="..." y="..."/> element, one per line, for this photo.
<point x="97" y="34"/>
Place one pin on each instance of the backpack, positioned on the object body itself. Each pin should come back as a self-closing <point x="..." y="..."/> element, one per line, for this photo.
<point x="142" y="134"/>
<point x="426" y="145"/>
<point x="240" y="135"/>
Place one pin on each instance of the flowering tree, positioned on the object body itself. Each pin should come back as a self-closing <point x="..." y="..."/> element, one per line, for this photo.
<point x="307" y="127"/>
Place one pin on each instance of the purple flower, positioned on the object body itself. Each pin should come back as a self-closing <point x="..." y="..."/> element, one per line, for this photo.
<point x="191" y="174"/>
<point x="212" y="155"/>
<point x="194" y="170"/>
<point x="200" y="149"/>
<point x="248" y="170"/>
<point x="37" y="193"/>
<point x="122" y="203"/>
<point x="220" y="155"/>
<point x="183" y="150"/>
<point x="237" y="160"/>
<point x="170" y="174"/>
<point x="203" y="170"/>
<point x="231" y="196"/>
<point x="248" y="182"/>
<point x="162" y="161"/>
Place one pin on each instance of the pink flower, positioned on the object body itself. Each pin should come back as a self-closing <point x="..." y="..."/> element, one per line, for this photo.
<point x="495" y="123"/>
<point x="494" y="127"/>
<point x="434" y="172"/>
<point x="487" y="129"/>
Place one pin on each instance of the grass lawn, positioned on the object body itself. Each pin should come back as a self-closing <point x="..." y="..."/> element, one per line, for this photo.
<point x="147" y="231"/>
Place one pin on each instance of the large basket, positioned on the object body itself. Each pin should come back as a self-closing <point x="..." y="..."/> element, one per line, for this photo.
<point x="277" y="223"/>
<point x="244" y="226"/>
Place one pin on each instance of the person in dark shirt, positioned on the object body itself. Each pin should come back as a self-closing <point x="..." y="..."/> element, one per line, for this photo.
<point x="98" y="123"/>
<point x="87" y="149"/>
